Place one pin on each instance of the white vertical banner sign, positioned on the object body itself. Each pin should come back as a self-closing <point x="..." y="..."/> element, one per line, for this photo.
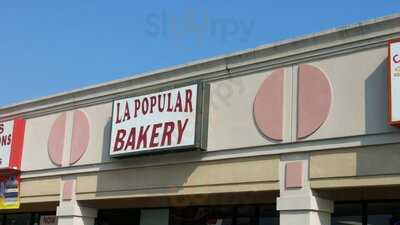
<point x="394" y="82"/>
<point x="154" y="122"/>
<point x="6" y="132"/>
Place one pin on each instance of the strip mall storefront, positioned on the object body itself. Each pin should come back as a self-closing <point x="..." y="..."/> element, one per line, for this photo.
<point x="299" y="132"/>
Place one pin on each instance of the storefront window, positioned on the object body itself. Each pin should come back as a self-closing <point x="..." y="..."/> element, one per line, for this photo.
<point x="118" y="217"/>
<point x="367" y="213"/>
<point x="225" y="215"/>
<point x="23" y="218"/>
<point x="348" y="213"/>
<point x="220" y="216"/>
<point x="246" y="215"/>
<point x="18" y="219"/>
<point x="202" y="215"/>
<point x="387" y="213"/>
<point x="268" y="215"/>
<point x="154" y="217"/>
<point x="189" y="216"/>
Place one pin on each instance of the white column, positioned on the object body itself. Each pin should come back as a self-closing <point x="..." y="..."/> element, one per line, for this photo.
<point x="297" y="203"/>
<point x="70" y="211"/>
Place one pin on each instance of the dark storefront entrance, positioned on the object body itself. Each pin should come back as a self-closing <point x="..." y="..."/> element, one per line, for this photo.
<point x="367" y="213"/>
<point x="202" y="215"/>
<point x="346" y="213"/>
<point x="22" y="218"/>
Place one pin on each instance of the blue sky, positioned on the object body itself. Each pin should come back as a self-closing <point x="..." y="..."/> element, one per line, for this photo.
<point x="49" y="46"/>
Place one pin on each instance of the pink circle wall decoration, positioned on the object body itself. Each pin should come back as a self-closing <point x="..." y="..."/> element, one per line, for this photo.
<point x="80" y="136"/>
<point x="56" y="139"/>
<point x="268" y="106"/>
<point x="314" y="100"/>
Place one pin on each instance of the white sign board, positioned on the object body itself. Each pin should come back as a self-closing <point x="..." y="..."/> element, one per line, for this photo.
<point x="394" y="82"/>
<point x="48" y="220"/>
<point x="6" y="132"/>
<point x="154" y="122"/>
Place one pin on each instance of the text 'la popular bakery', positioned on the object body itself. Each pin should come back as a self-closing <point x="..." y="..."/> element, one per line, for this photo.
<point x="154" y="121"/>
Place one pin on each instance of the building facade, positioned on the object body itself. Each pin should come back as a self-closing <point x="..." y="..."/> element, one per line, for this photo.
<point x="296" y="132"/>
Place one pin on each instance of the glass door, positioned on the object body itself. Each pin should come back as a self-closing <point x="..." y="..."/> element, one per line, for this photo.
<point x="18" y="219"/>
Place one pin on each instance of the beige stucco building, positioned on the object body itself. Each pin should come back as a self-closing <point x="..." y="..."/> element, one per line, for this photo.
<point x="292" y="133"/>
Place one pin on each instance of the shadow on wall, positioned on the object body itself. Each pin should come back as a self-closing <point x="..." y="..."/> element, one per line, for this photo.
<point x="141" y="179"/>
<point x="376" y="101"/>
<point x="105" y="157"/>
<point x="381" y="159"/>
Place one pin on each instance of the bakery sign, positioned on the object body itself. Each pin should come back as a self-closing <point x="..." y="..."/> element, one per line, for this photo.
<point x="155" y="122"/>
<point x="394" y="82"/>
